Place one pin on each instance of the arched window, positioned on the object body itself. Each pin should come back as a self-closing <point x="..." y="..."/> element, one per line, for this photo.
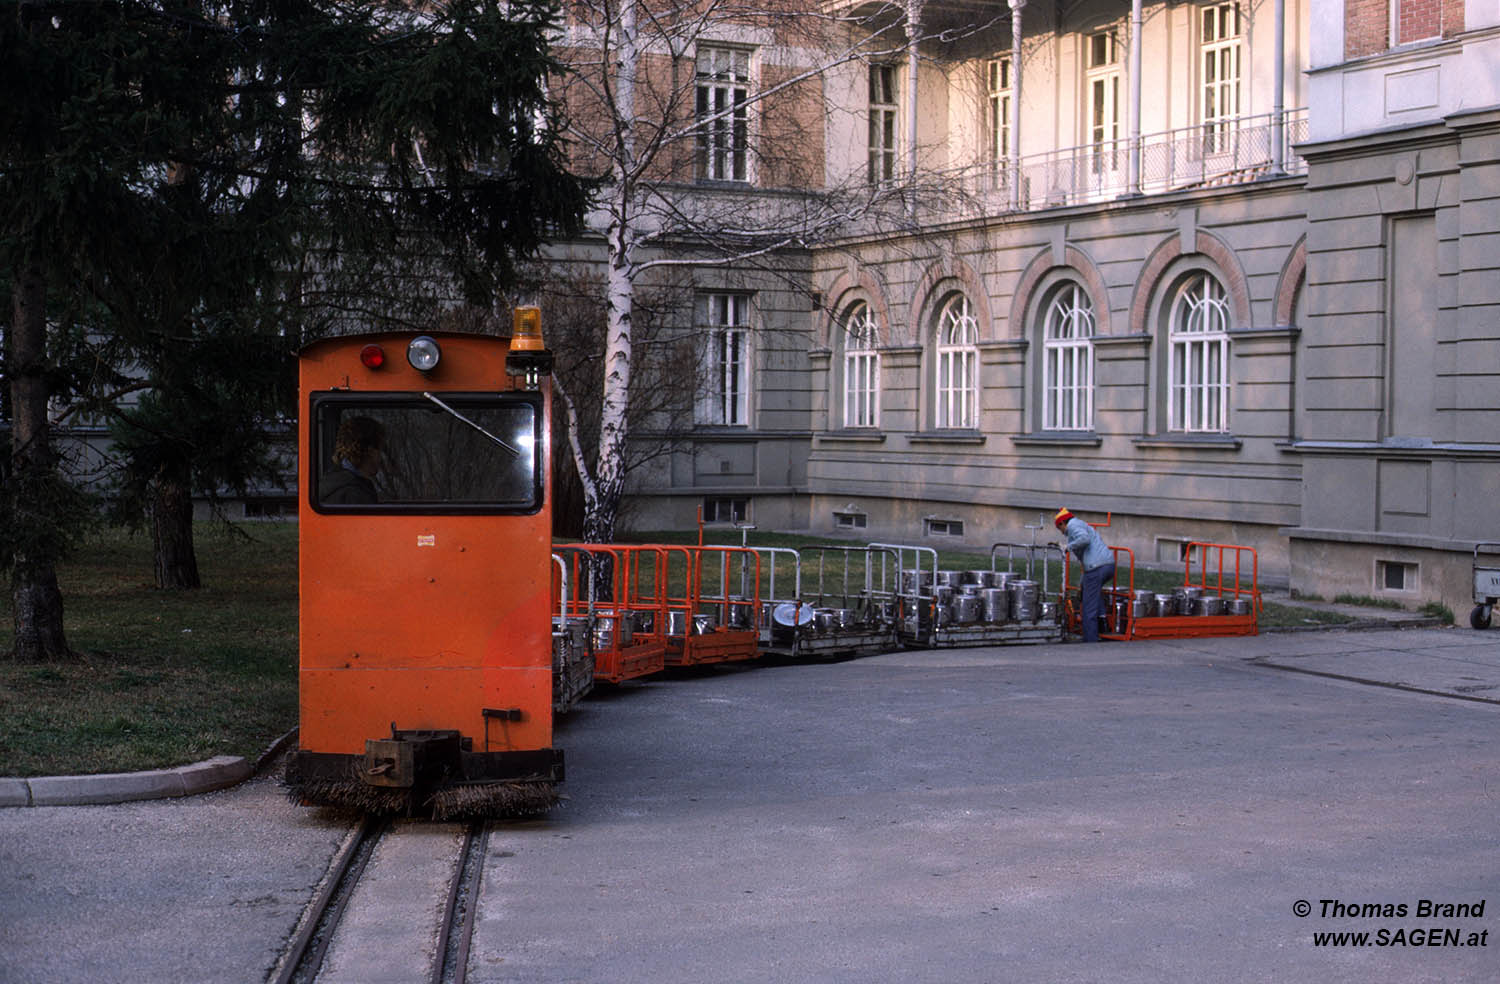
<point x="957" y="390"/>
<point x="1198" y="371"/>
<point x="1068" y="351"/>
<point x="861" y="368"/>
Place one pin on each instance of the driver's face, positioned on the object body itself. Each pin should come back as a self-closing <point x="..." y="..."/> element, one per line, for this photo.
<point x="369" y="463"/>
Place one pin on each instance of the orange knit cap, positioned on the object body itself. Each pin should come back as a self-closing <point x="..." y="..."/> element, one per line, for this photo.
<point x="1062" y="517"/>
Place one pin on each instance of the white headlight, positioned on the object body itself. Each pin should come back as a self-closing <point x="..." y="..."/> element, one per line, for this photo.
<point x="423" y="353"/>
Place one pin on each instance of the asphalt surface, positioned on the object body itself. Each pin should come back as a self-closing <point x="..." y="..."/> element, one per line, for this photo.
<point x="1122" y="812"/>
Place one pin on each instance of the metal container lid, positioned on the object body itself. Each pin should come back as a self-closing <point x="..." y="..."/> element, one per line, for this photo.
<point x="787" y="614"/>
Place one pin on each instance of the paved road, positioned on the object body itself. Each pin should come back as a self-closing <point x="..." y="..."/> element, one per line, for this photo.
<point x="1111" y="813"/>
<point x="1122" y="812"/>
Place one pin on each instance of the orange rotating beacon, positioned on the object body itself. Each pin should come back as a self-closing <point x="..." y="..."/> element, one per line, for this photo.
<point x="426" y="575"/>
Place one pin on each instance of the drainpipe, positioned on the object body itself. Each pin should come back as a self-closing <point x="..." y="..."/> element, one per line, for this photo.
<point x="1278" y="101"/>
<point x="1133" y="166"/>
<point x="913" y="29"/>
<point x="1016" y="6"/>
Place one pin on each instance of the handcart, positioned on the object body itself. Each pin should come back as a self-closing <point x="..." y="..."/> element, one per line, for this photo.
<point x="1486" y="583"/>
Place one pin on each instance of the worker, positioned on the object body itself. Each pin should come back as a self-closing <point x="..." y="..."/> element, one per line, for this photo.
<point x="1098" y="566"/>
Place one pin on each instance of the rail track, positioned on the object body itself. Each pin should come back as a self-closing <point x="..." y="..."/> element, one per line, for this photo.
<point x="397" y="903"/>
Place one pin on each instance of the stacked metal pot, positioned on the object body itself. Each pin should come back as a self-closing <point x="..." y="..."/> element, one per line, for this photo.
<point x="974" y="597"/>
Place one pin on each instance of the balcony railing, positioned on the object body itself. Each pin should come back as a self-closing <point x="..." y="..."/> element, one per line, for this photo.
<point x="1225" y="152"/>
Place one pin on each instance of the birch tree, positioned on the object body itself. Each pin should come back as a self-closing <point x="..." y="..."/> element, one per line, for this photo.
<point x="706" y="159"/>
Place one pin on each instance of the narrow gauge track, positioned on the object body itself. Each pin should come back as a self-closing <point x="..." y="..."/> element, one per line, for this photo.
<point x="354" y="919"/>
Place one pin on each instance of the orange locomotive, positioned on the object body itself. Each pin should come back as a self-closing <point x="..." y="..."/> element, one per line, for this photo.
<point x="426" y="672"/>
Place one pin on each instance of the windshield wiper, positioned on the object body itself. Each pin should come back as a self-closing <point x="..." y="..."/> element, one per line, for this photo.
<point x="513" y="452"/>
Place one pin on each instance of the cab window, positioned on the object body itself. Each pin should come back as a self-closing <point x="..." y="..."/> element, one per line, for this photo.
<point x="412" y="452"/>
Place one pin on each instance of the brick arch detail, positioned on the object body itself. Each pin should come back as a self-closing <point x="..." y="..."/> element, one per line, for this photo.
<point x="1168" y="252"/>
<point x="1074" y="259"/>
<point x="1293" y="277"/>
<point x="927" y="293"/>
<point x="846" y="289"/>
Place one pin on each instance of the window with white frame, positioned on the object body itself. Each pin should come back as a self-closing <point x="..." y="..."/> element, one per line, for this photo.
<point x="998" y="83"/>
<point x="723" y="113"/>
<point x="1102" y="80"/>
<point x="1198" y="358"/>
<point x="957" y="389"/>
<point x="1068" y="357"/>
<point x="861" y="368"/>
<point x="885" y="114"/>
<point x="1221" y="57"/>
<point x="725" y="388"/>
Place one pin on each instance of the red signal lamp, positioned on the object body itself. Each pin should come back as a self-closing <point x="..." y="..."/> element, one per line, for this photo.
<point x="372" y="356"/>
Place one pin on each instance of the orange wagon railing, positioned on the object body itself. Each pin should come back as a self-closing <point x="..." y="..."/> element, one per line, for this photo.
<point x="1219" y="596"/>
<point x="708" y="619"/>
<point x="626" y="628"/>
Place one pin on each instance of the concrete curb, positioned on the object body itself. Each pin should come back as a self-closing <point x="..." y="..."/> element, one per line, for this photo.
<point x="124" y="787"/>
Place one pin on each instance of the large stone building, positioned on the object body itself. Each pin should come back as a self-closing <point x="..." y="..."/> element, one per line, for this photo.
<point x="1224" y="272"/>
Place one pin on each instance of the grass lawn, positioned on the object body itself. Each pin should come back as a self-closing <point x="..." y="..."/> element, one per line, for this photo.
<point x="161" y="678"/>
<point x="166" y="678"/>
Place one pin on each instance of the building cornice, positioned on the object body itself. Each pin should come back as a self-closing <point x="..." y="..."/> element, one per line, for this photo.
<point x="1424" y="450"/>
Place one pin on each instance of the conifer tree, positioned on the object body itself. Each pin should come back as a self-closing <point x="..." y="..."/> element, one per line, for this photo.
<point x="166" y="168"/>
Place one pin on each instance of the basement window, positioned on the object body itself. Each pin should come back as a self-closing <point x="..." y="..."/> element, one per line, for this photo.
<point x="1392" y="575"/>
<point x="943" y="527"/>
<point x="1170" y="551"/>
<point x="850" y="520"/>
<point x="720" y="510"/>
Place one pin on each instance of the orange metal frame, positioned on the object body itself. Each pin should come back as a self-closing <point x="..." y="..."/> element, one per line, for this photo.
<point x="1179" y="626"/>
<point x="724" y="642"/>
<point x="415" y="620"/>
<point x="646" y="652"/>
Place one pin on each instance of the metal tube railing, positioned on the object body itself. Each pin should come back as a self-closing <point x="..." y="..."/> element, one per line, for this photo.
<point x="1229" y="151"/>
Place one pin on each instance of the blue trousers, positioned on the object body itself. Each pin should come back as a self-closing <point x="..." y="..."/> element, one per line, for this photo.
<point x="1092" y="590"/>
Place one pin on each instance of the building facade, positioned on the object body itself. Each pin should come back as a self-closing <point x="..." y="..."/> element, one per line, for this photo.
<point x="1216" y="271"/>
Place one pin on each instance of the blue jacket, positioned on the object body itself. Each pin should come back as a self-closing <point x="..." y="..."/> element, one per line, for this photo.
<point x="1087" y="544"/>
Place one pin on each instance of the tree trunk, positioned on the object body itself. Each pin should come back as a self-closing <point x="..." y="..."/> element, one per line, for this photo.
<point x="603" y="506"/>
<point x="37" y="601"/>
<point x="172" y="528"/>
<point x="599" y="517"/>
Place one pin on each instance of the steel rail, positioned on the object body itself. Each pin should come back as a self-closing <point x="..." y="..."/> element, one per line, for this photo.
<point x="451" y="965"/>
<point x="305" y="957"/>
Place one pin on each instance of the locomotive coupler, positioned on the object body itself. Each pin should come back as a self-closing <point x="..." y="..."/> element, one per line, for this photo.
<point x="414" y="758"/>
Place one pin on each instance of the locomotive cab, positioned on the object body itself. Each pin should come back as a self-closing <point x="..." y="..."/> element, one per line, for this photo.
<point x="425" y="575"/>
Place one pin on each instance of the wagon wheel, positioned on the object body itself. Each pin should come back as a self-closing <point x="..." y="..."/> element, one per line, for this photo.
<point x="1479" y="618"/>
